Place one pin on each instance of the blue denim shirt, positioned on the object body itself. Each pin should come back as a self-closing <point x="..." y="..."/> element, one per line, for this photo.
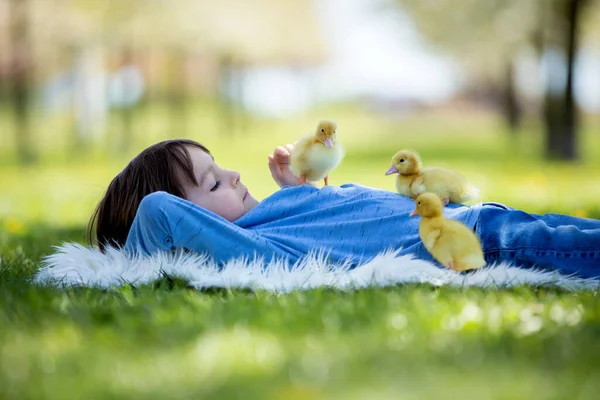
<point x="348" y="223"/>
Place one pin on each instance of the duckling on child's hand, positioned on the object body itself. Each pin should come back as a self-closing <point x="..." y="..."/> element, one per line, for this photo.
<point x="413" y="179"/>
<point x="450" y="242"/>
<point x="317" y="154"/>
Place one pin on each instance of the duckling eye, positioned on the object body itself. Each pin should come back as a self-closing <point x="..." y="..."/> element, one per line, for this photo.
<point x="322" y="130"/>
<point x="402" y="160"/>
<point x="419" y="203"/>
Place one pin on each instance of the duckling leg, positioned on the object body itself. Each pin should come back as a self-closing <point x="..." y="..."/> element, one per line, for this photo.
<point x="326" y="179"/>
<point x="303" y="179"/>
<point x="445" y="200"/>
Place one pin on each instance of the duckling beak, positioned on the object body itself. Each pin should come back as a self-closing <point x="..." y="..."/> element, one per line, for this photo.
<point x="392" y="170"/>
<point x="413" y="214"/>
<point x="328" y="143"/>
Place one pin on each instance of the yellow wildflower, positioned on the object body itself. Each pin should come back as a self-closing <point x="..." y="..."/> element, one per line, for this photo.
<point x="14" y="225"/>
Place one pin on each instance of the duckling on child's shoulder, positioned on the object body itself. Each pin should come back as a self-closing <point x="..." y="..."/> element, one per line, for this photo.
<point x="317" y="154"/>
<point x="413" y="179"/>
<point x="450" y="242"/>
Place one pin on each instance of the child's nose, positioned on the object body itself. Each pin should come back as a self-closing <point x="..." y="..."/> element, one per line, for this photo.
<point x="235" y="178"/>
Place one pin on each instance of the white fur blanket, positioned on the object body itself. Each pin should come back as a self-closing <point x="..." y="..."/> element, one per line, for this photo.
<point x="75" y="265"/>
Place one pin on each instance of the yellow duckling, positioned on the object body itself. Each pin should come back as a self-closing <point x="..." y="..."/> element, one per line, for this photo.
<point x="413" y="179"/>
<point x="317" y="154"/>
<point x="450" y="242"/>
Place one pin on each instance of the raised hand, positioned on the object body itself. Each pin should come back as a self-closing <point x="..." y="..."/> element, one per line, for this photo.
<point x="279" y="164"/>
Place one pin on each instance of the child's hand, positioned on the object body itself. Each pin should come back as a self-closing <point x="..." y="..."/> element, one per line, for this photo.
<point x="279" y="164"/>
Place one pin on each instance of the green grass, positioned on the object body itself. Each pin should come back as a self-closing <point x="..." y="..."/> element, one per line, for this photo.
<point x="167" y="341"/>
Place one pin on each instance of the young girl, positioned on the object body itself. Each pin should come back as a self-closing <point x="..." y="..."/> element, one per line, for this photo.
<point x="174" y="195"/>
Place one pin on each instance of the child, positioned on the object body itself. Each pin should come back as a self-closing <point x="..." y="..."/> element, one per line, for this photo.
<point x="174" y="195"/>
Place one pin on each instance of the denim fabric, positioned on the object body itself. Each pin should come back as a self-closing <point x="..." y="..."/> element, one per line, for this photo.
<point x="552" y="242"/>
<point x="349" y="223"/>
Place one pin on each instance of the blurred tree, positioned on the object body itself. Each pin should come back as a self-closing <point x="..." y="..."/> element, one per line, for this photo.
<point x="486" y="36"/>
<point x="20" y="72"/>
<point x="69" y="60"/>
<point x="116" y="22"/>
<point x="560" y="111"/>
<point x="590" y="28"/>
<point x="178" y="94"/>
<point x="125" y="111"/>
<point x="230" y="87"/>
<point x="243" y="34"/>
<point x="86" y="43"/>
<point x="4" y="22"/>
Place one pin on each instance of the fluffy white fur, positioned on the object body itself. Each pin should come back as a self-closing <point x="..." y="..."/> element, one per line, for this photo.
<point x="75" y="265"/>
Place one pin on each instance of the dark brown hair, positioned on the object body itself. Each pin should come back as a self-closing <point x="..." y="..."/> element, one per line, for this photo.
<point x="157" y="168"/>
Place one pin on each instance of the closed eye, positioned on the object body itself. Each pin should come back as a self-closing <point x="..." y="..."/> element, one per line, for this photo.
<point x="217" y="184"/>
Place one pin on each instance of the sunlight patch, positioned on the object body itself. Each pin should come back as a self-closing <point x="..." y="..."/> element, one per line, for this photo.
<point x="239" y="351"/>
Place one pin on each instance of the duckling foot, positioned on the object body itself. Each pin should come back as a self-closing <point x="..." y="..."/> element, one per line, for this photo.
<point x="445" y="201"/>
<point x="326" y="179"/>
<point x="303" y="179"/>
<point x="452" y="266"/>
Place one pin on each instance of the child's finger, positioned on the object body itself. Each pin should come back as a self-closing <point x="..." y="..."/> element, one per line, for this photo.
<point x="282" y="157"/>
<point x="275" y="170"/>
<point x="280" y="150"/>
<point x="272" y="163"/>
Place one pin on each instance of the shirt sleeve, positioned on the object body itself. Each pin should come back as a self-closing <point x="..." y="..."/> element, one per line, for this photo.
<point x="165" y="222"/>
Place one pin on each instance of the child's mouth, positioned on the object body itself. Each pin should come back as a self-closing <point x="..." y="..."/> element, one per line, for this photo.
<point x="246" y="195"/>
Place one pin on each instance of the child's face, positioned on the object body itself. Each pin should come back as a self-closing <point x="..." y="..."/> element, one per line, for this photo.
<point x="218" y="190"/>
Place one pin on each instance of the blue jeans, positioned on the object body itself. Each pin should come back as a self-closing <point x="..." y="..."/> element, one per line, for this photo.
<point x="552" y="242"/>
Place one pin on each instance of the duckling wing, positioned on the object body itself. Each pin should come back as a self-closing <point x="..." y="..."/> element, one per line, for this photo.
<point x="433" y="240"/>
<point x="404" y="186"/>
<point x="447" y="184"/>
<point x="430" y="238"/>
<point x="418" y="186"/>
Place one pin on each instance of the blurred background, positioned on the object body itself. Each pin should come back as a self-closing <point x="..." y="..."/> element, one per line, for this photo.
<point x="505" y="91"/>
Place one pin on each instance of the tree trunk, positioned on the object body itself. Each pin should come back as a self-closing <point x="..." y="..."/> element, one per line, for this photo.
<point x="560" y="111"/>
<point x="126" y="110"/>
<point x="178" y="93"/>
<point x="571" y="121"/>
<point x="19" y="77"/>
<point x="512" y="108"/>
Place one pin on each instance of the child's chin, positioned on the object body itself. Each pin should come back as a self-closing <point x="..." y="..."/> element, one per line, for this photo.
<point x="250" y="202"/>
